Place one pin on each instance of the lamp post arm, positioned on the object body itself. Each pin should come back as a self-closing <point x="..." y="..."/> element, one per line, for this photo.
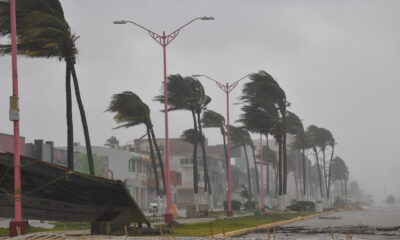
<point x="233" y="85"/>
<point x="220" y="85"/>
<point x="175" y="33"/>
<point x="155" y="36"/>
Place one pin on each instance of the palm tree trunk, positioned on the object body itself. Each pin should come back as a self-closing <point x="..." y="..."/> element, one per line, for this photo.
<point x="325" y="175"/>
<point x="70" y="127"/>
<point x="153" y="160"/>
<point x="255" y="168"/>
<point x="248" y="172"/>
<point x="279" y="167"/>
<point x="267" y="160"/>
<point x="319" y="173"/>
<point x="207" y="184"/>
<point x="195" y="171"/>
<point x="330" y="172"/>
<point x="304" y="171"/>
<point x="285" y="170"/>
<point x="276" y="172"/>
<point x="84" y="121"/>
<point x="160" y="162"/>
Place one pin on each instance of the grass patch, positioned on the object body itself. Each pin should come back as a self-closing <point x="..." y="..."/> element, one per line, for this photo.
<point x="231" y="224"/>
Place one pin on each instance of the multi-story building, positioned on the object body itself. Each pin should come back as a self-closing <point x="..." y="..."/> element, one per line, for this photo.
<point x="181" y="167"/>
<point x="132" y="168"/>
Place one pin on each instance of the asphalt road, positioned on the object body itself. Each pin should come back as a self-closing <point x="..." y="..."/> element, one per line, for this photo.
<point x="375" y="222"/>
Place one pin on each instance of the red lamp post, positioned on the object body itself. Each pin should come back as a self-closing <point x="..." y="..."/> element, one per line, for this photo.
<point x="16" y="227"/>
<point x="164" y="40"/>
<point x="227" y="88"/>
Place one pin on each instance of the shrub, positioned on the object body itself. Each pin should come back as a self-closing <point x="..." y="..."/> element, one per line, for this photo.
<point x="302" y="206"/>
<point x="249" y="205"/>
<point x="235" y="205"/>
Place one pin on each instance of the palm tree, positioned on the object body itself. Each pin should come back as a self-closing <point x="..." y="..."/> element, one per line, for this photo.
<point x="270" y="159"/>
<point x="339" y="172"/>
<point x="331" y="143"/>
<point x="130" y="111"/>
<point x="112" y="141"/>
<point x="265" y="112"/>
<point x="321" y="138"/>
<point x="296" y="128"/>
<point x="192" y="136"/>
<point x="43" y="32"/>
<point x="213" y="119"/>
<point x="187" y="93"/>
<point x="241" y="138"/>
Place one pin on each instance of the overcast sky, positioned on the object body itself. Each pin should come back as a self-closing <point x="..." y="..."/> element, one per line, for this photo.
<point x="338" y="62"/>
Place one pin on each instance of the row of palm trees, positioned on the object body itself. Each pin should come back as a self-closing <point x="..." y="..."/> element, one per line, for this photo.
<point x="264" y="111"/>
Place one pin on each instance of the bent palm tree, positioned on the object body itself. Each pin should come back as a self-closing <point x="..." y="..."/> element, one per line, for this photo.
<point x="265" y="112"/>
<point x="213" y="119"/>
<point x="187" y="93"/>
<point x="241" y="138"/>
<point x="130" y="111"/>
<point x="43" y="32"/>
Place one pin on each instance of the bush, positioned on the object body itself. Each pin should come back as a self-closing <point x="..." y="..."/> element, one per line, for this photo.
<point x="302" y="206"/>
<point x="249" y="205"/>
<point x="235" y="205"/>
<point x="390" y="199"/>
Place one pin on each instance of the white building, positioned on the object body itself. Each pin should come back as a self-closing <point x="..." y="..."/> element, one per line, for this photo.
<point x="132" y="168"/>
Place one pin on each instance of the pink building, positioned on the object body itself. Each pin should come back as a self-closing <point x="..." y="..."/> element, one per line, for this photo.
<point x="7" y="143"/>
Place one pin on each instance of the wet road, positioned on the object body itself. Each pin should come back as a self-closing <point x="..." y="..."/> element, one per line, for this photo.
<point x="375" y="222"/>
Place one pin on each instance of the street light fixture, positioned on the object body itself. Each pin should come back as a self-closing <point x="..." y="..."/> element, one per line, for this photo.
<point x="164" y="40"/>
<point x="227" y="89"/>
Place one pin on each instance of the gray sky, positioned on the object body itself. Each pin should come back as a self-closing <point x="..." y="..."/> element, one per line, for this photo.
<point x="337" y="61"/>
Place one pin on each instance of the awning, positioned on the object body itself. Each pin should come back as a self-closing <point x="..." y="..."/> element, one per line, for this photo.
<point x="52" y="192"/>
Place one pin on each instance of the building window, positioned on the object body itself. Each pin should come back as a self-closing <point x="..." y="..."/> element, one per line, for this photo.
<point x="178" y="178"/>
<point x="132" y="165"/>
<point x="185" y="161"/>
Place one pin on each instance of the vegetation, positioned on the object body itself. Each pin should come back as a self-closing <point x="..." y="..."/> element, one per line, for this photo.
<point x="241" y="138"/>
<point x="302" y="206"/>
<point x="231" y="224"/>
<point x="43" y="32"/>
<point x="130" y="111"/>
<point x="187" y="93"/>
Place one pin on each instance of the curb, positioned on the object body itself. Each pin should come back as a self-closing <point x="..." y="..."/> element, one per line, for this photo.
<point x="269" y="225"/>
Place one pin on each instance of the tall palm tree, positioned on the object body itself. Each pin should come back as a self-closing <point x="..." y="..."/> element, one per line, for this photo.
<point x="131" y="111"/>
<point x="265" y="100"/>
<point x="339" y="172"/>
<point x="192" y="136"/>
<point x="320" y="138"/>
<point x="241" y="138"/>
<point x="187" y="93"/>
<point x="43" y="32"/>
<point x="296" y="128"/>
<point x="213" y="119"/>
<point x="331" y="143"/>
